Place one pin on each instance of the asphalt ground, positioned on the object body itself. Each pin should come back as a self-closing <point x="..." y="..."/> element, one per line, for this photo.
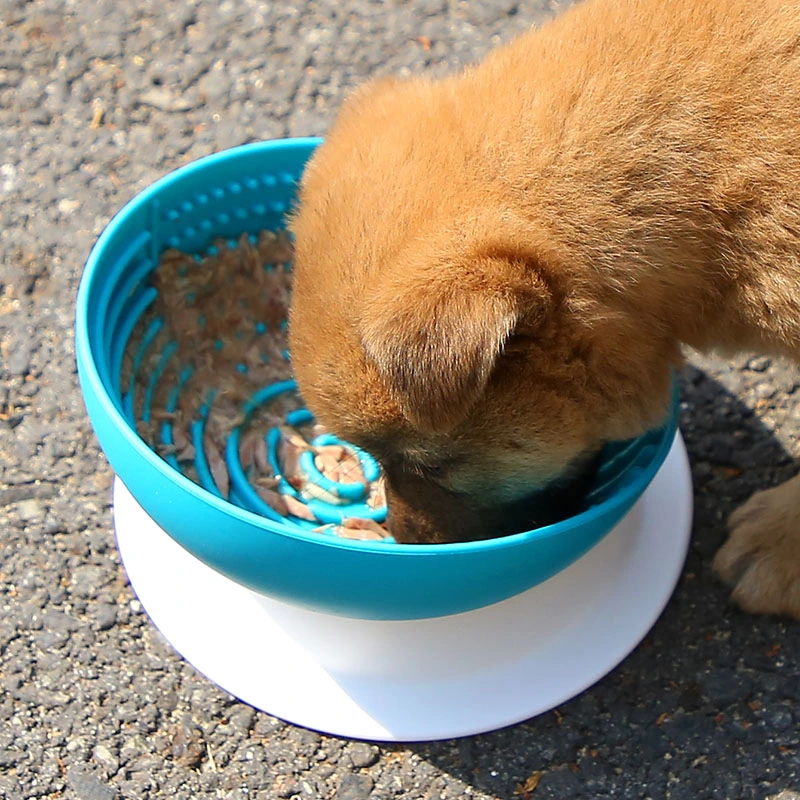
<point x="97" y="99"/>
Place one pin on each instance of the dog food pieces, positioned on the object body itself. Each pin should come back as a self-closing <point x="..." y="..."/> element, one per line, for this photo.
<point x="214" y="337"/>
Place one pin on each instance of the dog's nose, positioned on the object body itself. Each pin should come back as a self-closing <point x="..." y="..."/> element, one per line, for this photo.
<point x="422" y="512"/>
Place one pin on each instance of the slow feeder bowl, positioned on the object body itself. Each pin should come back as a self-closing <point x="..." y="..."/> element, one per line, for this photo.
<point x="245" y="190"/>
<point x="381" y="640"/>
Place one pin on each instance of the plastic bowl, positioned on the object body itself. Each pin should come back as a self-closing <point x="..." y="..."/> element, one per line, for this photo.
<point x="246" y="190"/>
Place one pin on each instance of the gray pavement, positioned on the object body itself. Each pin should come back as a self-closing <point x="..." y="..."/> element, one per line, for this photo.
<point x="99" y="98"/>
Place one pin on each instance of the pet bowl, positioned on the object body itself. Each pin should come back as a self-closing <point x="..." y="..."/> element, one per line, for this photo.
<point x="241" y="192"/>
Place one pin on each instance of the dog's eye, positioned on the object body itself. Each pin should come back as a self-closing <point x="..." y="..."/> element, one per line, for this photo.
<point x="420" y="463"/>
<point x="408" y="463"/>
<point x="414" y="467"/>
<point x="440" y="471"/>
<point x="430" y="470"/>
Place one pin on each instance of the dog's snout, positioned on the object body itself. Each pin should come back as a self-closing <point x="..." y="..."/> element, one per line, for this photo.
<point x="423" y="511"/>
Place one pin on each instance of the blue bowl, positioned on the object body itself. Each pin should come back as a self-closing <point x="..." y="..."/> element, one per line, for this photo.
<point x="246" y="190"/>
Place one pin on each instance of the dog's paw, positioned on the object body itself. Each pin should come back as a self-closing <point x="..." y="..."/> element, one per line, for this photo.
<point x="761" y="559"/>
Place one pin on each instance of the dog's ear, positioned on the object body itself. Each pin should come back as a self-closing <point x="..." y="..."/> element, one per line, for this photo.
<point x="434" y="341"/>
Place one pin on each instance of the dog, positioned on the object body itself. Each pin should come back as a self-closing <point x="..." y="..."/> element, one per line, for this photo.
<point x="495" y="272"/>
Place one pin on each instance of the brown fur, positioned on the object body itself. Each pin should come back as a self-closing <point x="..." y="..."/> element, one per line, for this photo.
<point x="495" y="272"/>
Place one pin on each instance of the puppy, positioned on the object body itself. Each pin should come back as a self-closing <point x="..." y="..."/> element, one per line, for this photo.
<point x="495" y="272"/>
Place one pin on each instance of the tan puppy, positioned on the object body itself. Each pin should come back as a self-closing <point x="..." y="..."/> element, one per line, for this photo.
<point x="495" y="272"/>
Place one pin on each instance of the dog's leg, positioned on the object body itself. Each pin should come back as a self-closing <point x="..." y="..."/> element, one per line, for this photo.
<point x="761" y="558"/>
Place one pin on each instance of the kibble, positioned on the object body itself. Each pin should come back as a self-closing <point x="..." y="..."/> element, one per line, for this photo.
<point x="224" y="315"/>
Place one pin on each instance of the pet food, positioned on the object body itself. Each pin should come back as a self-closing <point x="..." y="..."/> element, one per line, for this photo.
<point x="213" y="337"/>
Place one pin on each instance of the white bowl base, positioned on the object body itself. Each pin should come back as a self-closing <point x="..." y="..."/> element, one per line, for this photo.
<point x="419" y="680"/>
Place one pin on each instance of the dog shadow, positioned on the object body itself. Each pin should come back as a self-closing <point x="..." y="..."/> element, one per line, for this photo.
<point x="687" y="684"/>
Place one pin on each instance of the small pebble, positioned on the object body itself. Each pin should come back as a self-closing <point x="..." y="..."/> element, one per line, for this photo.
<point x="87" y="579"/>
<point x="759" y="364"/>
<point x="105" y="758"/>
<point x="88" y="785"/>
<point x="187" y="747"/>
<point x="30" y="510"/>
<point x="362" y="754"/>
<point x="103" y="616"/>
<point x="243" y="718"/>
<point x="354" y="786"/>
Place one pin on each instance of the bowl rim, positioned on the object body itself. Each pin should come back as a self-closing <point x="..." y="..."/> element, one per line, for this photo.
<point x="92" y="382"/>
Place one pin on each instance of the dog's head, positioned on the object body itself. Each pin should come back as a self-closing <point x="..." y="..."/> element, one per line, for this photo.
<point x="437" y="324"/>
